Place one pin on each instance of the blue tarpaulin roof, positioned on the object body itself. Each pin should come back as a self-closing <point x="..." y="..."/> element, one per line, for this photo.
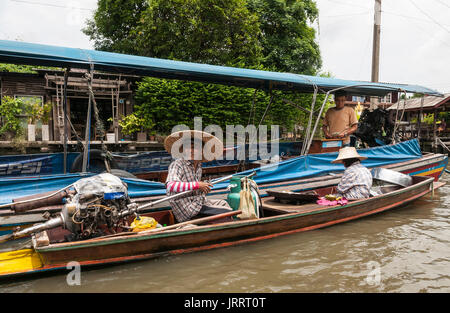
<point x="312" y="165"/>
<point x="38" y="54"/>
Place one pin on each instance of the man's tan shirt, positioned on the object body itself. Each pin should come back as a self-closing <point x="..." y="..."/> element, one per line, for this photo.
<point x="340" y="120"/>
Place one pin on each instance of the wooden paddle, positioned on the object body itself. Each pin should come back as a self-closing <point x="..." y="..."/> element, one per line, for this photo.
<point x="175" y="226"/>
<point x="194" y="221"/>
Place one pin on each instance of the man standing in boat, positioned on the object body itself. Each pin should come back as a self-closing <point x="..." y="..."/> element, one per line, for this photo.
<point x="190" y="148"/>
<point x="357" y="179"/>
<point x="340" y="122"/>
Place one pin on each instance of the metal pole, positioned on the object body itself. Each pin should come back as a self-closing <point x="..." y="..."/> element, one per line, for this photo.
<point x="88" y="125"/>
<point x="66" y="77"/>
<point x="308" y="129"/>
<point x="184" y="193"/>
<point x="267" y="108"/>
<point x="317" y="122"/>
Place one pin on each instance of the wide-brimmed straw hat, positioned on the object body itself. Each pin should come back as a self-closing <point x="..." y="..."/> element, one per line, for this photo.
<point x="212" y="147"/>
<point x="348" y="153"/>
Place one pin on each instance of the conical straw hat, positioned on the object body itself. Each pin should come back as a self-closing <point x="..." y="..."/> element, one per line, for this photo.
<point x="348" y="153"/>
<point x="212" y="146"/>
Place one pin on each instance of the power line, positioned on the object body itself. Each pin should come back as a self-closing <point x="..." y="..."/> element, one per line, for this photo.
<point x="345" y="15"/>
<point x="411" y="17"/>
<point x="348" y="4"/>
<point x="427" y="15"/>
<point x="427" y="33"/>
<point x="51" y="5"/>
<point x="443" y="3"/>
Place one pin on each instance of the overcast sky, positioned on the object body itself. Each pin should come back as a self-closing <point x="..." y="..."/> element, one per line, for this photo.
<point x="415" y="35"/>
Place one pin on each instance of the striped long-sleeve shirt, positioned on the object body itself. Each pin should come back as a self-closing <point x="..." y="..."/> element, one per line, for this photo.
<point x="356" y="182"/>
<point x="177" y="186"/>
<point x="181" y="177"/>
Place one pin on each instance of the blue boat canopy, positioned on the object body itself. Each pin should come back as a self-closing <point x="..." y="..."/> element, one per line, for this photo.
<point x="312" y="165"/>
<point x="37" y="54"/>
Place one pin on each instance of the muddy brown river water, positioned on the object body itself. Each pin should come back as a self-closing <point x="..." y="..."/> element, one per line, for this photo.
<point x="404" y="250"/>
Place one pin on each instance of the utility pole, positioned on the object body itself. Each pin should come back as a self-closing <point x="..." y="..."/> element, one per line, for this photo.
<point x="376" y="50"/>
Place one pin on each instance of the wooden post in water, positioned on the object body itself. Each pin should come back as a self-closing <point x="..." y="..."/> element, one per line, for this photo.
<point x="419" y="117"/>
<point x="434" y="144"/>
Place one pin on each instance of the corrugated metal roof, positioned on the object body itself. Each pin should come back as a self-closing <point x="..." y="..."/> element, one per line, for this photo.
<point x="429" y="103"/>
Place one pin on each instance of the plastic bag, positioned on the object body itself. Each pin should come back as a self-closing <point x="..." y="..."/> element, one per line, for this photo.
<point x="332" y="200"/>
<point x="246" y="204"/>
<point x="141" y="223"/>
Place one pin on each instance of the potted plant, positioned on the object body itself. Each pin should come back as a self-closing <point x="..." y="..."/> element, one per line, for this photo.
<point x="35" y="112"/>
<point x="10" y="111"/>
<point x="45" y="119"/>
<point x="111" y="135"/>
<point x="148" y="126"/>
<point x="152" y="136"/>
<point x="132" y="124"/>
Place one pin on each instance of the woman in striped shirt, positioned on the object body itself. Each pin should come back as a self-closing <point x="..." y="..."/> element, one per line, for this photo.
<point x="185" y="173"/>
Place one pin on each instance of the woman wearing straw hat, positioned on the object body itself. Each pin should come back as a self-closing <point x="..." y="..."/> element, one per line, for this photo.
<point x="357" y="179"/>
<point x="190" y="148"/>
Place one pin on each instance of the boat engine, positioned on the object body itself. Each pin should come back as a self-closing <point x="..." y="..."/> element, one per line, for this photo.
<point x="376" y="128"/>
<point x="97" y="208"/>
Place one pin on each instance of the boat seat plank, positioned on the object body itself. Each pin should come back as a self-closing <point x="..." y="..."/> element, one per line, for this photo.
<point x="437" y="185"/>
<point x="269" y="203"/>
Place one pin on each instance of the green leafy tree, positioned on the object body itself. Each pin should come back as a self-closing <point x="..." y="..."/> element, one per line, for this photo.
<point x="262" y="34"/>
<point x="287" y="38"/>
<point x="206" y="31"/>
<point x="245" y="33"/>
<point x="173" y="102"/>
<point x="113" y="24"/>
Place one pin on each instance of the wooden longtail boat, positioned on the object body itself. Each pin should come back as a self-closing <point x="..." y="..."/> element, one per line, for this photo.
<point x="279" y="219"/>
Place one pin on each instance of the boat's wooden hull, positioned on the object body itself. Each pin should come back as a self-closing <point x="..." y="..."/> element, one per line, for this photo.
<point x="141" y="246"/>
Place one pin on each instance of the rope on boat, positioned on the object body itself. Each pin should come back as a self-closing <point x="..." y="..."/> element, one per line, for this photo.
<point x="98" y="122"/>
